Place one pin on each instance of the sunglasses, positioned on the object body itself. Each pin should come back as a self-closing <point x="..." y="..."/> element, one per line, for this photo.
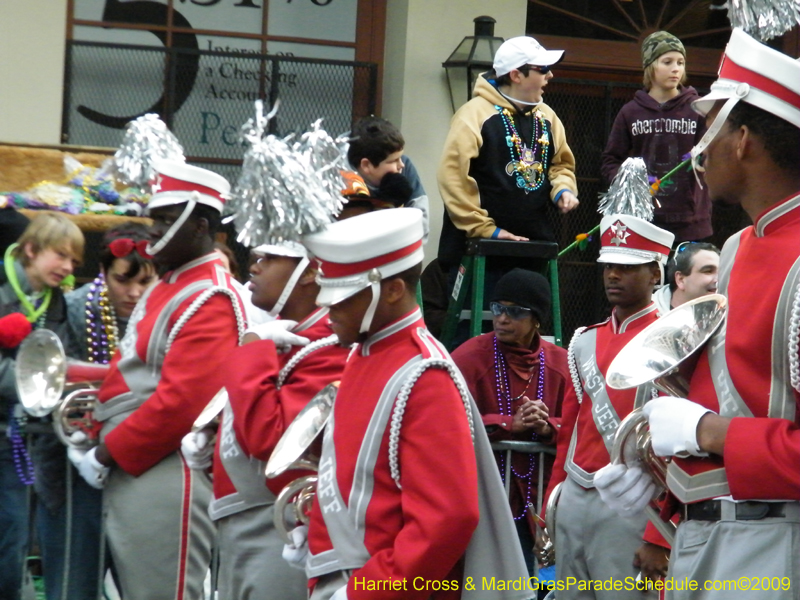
<point x="122" y="247"/>
<point x="538" y="69"/>
<point x="680" y="248"/>
<point x="514" y="312"/>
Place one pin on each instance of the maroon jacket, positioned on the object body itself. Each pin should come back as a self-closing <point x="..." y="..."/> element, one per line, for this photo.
<point x="662" y="135"/>
<point x="475" y="358"/>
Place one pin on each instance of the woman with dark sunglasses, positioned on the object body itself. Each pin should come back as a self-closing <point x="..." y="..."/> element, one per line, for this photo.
<point x="518" y="381"/>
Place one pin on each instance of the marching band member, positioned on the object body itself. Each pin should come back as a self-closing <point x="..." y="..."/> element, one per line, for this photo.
<point x="402" y="509"/>
<point x="171" y="362"/>
<point x="267" y="387"/>
<point x="633" y="252"/>
<point x="739" y="484"/>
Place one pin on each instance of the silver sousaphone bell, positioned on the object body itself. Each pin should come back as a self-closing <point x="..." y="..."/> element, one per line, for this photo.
<point x="43" y="373"/>
<point x="664" y="353"/>
<point x="292" y="452"/>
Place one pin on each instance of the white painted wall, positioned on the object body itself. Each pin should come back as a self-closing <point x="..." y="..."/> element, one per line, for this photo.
<point x="420" y="35"/>
<point x="32" y="42"/>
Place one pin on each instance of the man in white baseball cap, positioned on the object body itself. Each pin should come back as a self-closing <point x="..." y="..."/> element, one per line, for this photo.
<point x="523" y="50"/>
<point x="390" y="506"/>
<point x="736" y="443"/>
<point x="506" y="158"/>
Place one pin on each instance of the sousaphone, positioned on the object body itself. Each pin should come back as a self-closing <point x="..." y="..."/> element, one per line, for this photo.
<point x="547" y="526"/>
<point x="665" y="354"/>
<point x="43" y="373"/>
<point x="294" y="452"/>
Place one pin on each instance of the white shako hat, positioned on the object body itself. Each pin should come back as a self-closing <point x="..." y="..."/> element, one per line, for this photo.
<point x="177" y="182"/>
<point x="629" y="240"/>
<point x="754" y="73"/>
<point x="758" y="75"/>
<point x="290" y="249"/>
<point x="285" y="248"/>
<point x="357" y="253"/>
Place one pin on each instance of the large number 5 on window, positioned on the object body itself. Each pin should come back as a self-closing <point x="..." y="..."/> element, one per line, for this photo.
<point x="186" y="63"/>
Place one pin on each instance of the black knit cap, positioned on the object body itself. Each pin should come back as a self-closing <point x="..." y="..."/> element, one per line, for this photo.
<point x="524" y="288"/>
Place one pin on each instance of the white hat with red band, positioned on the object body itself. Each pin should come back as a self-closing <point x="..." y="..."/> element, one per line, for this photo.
<point x="629" y="240"/>
<point x="754" y="73"/>
<point x="357" y="253"/>
<point x="758" y="75"/>
<point x="177" y="182"/>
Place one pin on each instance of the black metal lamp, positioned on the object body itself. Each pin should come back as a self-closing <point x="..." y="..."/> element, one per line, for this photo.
<point x="473" y="56"/>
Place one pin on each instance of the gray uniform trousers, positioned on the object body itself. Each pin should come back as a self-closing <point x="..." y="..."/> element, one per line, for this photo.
<point x="762" y="552"/>
<point x="251" y="566"/>
<point x="593" y="543"/>
<point x="155" y="523"/>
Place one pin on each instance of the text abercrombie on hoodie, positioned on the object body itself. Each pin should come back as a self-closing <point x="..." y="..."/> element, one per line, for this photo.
<point x="662" y="134"/>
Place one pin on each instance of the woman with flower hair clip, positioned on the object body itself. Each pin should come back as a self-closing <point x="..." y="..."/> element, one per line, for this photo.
<point x="98" y="312"/>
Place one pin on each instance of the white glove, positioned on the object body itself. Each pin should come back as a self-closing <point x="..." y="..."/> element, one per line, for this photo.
<point x="296" y="553"/>
<point x="673" y="425"/>
<point x="77" y="437"/>
<point x="89" y="467"/>
<point x="340" y="594"/>
<point x="197" y="449"/>
<point x="278" y="332"/>
<point x="625" y="490"/>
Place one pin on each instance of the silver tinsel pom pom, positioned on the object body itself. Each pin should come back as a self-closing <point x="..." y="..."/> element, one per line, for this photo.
<point x="285" y="191"/>
<point x="629" y="193"/>
<point x="763" y="19"/>
<point x="146" y="140"/>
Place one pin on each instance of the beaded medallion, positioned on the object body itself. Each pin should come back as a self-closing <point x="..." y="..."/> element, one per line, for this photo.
<point x="529" y="171"/>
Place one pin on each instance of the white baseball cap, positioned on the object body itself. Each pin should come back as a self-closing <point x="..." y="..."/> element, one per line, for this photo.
<point x="523" y="50"/>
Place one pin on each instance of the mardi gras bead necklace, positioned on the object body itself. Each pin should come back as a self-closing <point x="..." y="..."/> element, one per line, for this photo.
<point x="505" y="402"/>
<point x="31" y="313"/>
<point x="530" y="173"/>
<point x="102" y="332"/>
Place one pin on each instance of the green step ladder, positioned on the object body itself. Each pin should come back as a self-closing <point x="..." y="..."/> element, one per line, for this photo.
<point x="473" y="271"/>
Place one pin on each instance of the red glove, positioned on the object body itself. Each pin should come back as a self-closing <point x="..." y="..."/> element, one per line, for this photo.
<point x="13" y="329"/>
